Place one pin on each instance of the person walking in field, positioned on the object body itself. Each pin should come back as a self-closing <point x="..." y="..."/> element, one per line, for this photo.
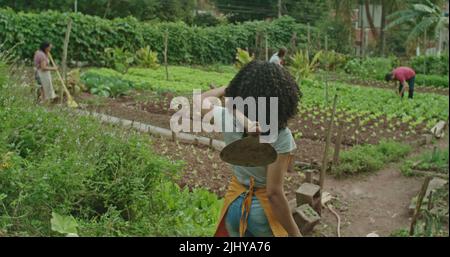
<point x="255" y="204"/>
<point x="406" y="77"/>
<point x="42" y="72"/>
<point x="278" y="58"/>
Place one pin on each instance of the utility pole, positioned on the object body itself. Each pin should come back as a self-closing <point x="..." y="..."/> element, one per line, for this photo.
<point x="75" y="6"/>
<point x="279" y="8"/>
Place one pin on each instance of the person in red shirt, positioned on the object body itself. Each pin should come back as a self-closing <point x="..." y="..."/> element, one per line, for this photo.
<point x="406" y="76"/>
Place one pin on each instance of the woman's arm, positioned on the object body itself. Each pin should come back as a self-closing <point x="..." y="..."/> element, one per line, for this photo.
<point x="277" y="198"/>
<point x="45" y="67"/>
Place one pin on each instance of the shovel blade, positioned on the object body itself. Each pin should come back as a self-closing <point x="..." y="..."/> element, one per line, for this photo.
<point x="249" y="152"/>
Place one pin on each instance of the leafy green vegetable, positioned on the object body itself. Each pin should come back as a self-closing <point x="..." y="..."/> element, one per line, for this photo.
<point x="64" y="224"/>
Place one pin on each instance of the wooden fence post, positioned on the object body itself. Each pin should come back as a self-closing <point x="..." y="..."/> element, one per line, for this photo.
<point x="166" y="43"/>
<point x="419" y="201"/>
<point x="64" y="57"/>
<point x="327" y="145"/>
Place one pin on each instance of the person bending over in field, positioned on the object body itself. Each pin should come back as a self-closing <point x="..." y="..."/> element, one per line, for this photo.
<point x="406" y="77"/>
<point x="255" y="204"/>
<point x="278" y="58"/>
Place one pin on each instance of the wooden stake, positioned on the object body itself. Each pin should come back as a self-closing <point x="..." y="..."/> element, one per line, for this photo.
<point x="327" y="145"/>
<point x="174" y="136"/>
<point x="337" y="146"/>
<point x="419" y="201"/>
<point x="309" y="36"/>
<point x="65" y="48"/>
<point x="166" y="43"/>
<point x="267" y="48"/>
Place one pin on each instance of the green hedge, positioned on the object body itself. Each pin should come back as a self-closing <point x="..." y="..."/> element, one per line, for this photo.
<point x="432" y="80"/>
<point x="431" y="65"/>
<point x="376" y="68"/>
<point x="91" y="35"/>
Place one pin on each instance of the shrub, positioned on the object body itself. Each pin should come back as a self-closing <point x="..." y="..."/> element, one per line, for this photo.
<point x="432" y="80"/>
<point x="372" y="68"/>
<point x="431" y="65"/>
<point x="331" y="60"/>
<point x="92" y="35"/>
<point x="119" y="59"/>
<point x="110" y="182"/>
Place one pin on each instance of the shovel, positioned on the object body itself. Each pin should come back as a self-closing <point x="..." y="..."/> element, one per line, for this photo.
<point x="249" y="152"/>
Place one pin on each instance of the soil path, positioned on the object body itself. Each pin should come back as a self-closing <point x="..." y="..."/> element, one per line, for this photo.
<point x="374" y="203"/>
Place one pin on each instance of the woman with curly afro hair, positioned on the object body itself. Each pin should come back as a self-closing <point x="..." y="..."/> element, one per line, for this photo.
<point x="255" y="204"/>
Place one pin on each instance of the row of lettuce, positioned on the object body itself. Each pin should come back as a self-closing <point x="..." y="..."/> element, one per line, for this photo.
<point x="60" y="174"/>
<point x="426" y="107"/>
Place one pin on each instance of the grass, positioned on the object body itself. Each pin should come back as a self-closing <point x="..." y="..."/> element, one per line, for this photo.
<point x="370" y="158"/>
<point x="433" y="160"/>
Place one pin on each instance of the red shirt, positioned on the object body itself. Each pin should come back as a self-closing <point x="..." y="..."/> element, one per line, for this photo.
<point x="403" y="74"/>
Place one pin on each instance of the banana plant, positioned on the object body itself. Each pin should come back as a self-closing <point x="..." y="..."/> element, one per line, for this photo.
<point x="302" y="67"/>
<point x="243" y="58"/>
<point x="421" y="17"/>
<point x="146" y="58"/>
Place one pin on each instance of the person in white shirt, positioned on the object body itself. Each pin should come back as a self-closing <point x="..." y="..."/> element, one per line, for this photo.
<point x="278" y="58"/>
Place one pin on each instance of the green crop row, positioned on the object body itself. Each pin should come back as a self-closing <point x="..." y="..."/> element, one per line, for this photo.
<point x="369" y="102"/>
<point x="92" y="35"/>
<point x="182" y="80"/>
<point x="95" y="180"/>
<point x="375" y="102"/>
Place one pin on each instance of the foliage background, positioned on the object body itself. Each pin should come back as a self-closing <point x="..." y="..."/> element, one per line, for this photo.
<point x="92" y="35"/>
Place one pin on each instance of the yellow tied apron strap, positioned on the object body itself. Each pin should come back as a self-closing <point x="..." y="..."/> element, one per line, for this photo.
<point x="246" y="208"/>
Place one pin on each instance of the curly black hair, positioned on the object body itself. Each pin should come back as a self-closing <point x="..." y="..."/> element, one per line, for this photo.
<point x="264" y="79"/>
